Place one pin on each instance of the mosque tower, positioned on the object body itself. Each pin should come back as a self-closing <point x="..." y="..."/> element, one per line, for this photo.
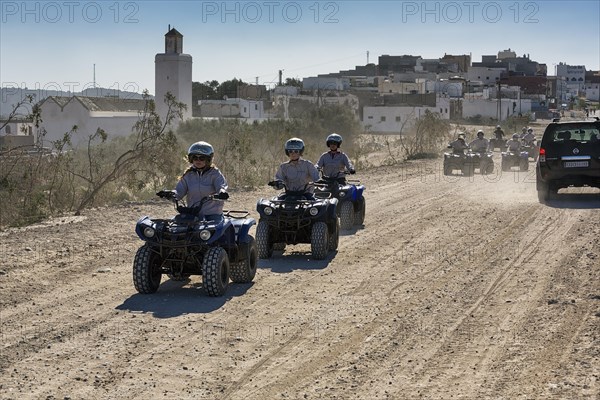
<point x="173" y="73"/>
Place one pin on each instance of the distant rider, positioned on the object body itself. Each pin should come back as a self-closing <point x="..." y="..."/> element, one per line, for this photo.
<point x="499" y="133"/>
<point x="334" y="162"/>
<point x="459" y="145"/>
<point x="529" y="137"/>
<point x="481" y="144"/>
<point x="203" y="179"/>
<point x="296" y="173"/>
<point x="514" y="144"/>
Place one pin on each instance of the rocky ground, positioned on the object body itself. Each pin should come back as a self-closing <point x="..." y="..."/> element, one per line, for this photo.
<point x="454" y="288"/>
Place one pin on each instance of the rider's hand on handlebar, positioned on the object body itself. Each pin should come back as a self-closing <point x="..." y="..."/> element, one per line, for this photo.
<point x="166" y="194"/>
<point x="221" y="196"/>
<point x="352" y="171"/>
<point x="276" y="184"/>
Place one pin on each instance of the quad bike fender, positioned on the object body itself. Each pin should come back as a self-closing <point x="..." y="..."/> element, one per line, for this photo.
<point x="224" y="234"/>
<point x="358" y="193"/>
<point x="242" y="227"/>
<point x="332" y="209"/>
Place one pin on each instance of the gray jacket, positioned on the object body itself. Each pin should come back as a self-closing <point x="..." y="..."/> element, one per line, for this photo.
<point x="332" y="163"/>
<point x="296" y="174"/>
<point x="480" y="145"/>
<point x="459" y="146"/>
<point x="197" y="184"/>
<point x="513" y="145"/>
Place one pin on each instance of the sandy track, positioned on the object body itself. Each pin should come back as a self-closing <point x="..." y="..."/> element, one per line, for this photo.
<point x="463" y="288"/>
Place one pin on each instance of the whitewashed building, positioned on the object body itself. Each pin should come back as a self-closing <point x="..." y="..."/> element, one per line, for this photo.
<point x="115" y="116"/>
<point x="399" y="119"/>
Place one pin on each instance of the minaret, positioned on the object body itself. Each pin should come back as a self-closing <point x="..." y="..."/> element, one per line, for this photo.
<point x="173" y="73"/>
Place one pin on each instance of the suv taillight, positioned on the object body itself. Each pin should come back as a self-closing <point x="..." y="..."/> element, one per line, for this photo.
<point x="542" y="154"/>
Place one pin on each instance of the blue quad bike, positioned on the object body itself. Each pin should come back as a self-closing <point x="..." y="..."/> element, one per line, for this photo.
<point x="351" y="202"/>
<point x="468" y="162"/>
<point x="292" y="218"/>
<point x="188" y="245"/>
<point x="512" y="159"/>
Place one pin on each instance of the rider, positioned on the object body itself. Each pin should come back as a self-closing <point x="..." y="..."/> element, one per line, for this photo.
<point x="481" y="144"/>
<point x="514" y="144"/>
<point x="296" y="173"/>
<point x="529" y="137"/>
<point x="203" y="179"/>
<point x="334" y="162"/>
<point x="459" y="145"/>
<point x="499" y="133"/>
<point x="523" y="132"/>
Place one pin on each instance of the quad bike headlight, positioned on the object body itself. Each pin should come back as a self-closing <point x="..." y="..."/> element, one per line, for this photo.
<point x="205" y="234"/>
<point x="342" y="194"/>
<point x="149" y="232"/>
<point x="268" y="211"/>
<point x="313" y="211"/>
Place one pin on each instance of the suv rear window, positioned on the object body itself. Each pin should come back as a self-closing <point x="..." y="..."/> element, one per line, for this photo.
<point x="579" y="133"/>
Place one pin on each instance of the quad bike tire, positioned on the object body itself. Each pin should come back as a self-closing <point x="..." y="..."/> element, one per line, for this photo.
<point x="334" y="237"/>
<point x="468" y="170"/>
<point x="524" y="165"/>
<point x="146" y="270"/>
<point x="319" y="240"/>
<point x="244" y="271"/>
<point x="486" y="168"/>
<point x="264" y="246"/>
<point x="215" y="271"/>
<point x="447" y="169"/>
<point x="359" y="215"/>
<point x="505" y="165"/>
<point x="346" y="215"/>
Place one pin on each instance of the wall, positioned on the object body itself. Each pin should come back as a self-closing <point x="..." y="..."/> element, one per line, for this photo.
<point x="57" y="122"/>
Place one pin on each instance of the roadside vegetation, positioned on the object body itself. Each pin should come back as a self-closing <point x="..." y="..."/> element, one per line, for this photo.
<point x="110" y="170"/>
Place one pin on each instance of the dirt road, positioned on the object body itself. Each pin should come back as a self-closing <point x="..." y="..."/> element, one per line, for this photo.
<point x="455" y="288"/>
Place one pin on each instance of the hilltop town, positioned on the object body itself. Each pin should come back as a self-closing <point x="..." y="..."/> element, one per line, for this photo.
<point x="386" y="97"/>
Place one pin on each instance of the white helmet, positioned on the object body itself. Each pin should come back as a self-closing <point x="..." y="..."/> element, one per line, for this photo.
<point x="334" y="138"/>
<point x="294" y="144"/>
<point x="201" y="149"/>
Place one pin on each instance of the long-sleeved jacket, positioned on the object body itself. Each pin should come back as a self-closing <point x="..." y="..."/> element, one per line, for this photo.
<point x="513" y="145"/>
<point x="480" y="145"/>
<point x="459" y="146"/>
<point x="296" y="174"/>
<point x="197" y="184"/>
<point x="528" y="138"/>
<point x="333" y="162"/>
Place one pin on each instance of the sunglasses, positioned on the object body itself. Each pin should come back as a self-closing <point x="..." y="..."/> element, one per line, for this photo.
<point x="199" y="158"/>
<point x="293" y="151"/>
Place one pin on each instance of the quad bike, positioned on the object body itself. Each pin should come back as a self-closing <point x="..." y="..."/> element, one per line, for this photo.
<point x="512" y="159"/>
<point x="351" y="202"/>
<point x="468" y="162"/>
<point x="188" y="244"/>
<point x="532" y="149"/>
<point x="496" y="143"/>
<point x="292" y="218"/>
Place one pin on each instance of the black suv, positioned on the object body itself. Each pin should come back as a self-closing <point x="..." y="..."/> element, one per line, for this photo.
<point x="569" y="156"/>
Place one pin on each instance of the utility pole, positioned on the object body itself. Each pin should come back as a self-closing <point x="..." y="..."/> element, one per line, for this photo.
<point x="499" y="106"/>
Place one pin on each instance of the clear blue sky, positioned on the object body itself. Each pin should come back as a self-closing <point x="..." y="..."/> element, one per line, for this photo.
<point x="55" y="44"/>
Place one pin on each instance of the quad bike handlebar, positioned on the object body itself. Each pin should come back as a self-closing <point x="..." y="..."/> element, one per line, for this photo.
<point x="182" y="207"/>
